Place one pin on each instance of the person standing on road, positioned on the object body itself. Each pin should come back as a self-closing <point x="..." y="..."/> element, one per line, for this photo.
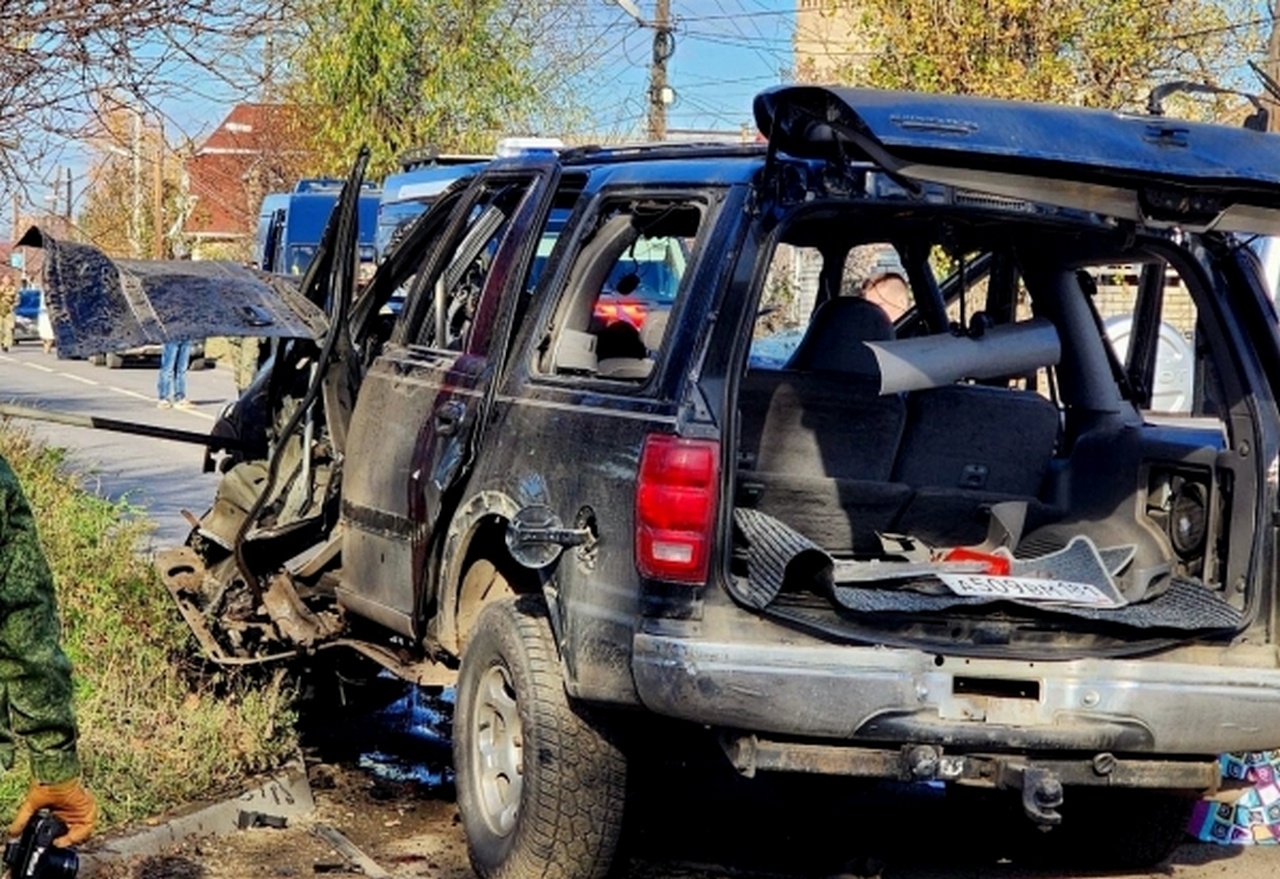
<point x="171" y="384"/>
<point x="35" y="675"/>
<point x="8" y="320"/>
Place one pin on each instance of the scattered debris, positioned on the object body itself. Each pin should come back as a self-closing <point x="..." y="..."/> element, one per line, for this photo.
<point x="350" y="851"/>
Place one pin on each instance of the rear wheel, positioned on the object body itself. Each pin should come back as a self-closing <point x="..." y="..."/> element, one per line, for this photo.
<point x="540" y="786"/>
<point x="97" y="359"/>
<point x="113" y="360"/>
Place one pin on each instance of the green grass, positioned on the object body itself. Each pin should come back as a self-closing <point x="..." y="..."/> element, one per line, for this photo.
<point x="158" y="727"/>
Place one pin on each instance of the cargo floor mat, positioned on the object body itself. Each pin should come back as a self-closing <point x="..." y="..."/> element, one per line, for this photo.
<point x="779" y="557"/>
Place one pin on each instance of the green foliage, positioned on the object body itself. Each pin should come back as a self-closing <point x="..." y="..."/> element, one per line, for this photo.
<point x="155" y="730"/>
<point x="1105" y="53"/>
<point x="401" y="74"/>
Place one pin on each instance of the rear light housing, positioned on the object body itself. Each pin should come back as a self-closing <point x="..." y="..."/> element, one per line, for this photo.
<point x="676" y="496"/>
<point x="633" y="311"/>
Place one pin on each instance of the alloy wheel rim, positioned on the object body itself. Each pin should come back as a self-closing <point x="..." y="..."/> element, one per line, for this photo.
<point x="499" y="749"/>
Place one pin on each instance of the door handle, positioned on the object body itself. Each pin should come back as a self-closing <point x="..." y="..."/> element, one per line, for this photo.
<point x="449" y="418"/>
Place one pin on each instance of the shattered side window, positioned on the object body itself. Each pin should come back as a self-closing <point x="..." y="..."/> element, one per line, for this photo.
<point x="446" y="304"/>
<point x="789" y="296"/>
<point x="624" y="284"/>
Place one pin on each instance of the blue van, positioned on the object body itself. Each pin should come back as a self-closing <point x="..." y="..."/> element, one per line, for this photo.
<point x="408" y="193"/>
<point x="25" y="313"/>
<point x="290" y="225"/>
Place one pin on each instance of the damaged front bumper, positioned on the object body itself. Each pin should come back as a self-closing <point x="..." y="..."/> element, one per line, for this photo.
<point x="872" y="695"/>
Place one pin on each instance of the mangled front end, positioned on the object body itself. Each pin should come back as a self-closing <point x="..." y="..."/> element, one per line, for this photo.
<point x="249" y="581"/>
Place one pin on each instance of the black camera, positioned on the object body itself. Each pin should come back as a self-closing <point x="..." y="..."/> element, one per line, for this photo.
<point x="34" y="856"/>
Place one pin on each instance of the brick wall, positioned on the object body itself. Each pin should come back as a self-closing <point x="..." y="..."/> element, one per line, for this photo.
<point x="1118" y="291"/>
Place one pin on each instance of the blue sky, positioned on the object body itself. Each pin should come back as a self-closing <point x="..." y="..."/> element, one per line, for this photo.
<point x="726" y="51"/>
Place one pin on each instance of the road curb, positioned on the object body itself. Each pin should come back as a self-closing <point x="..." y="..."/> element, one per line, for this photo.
<point x="287" y="795"/>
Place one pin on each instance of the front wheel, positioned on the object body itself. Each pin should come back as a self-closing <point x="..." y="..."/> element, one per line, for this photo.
<point x="540" y="786"/>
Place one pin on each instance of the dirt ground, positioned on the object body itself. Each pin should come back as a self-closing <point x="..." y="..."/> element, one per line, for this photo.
<point x="378" y="757"/>
<point x="409" y="832"/>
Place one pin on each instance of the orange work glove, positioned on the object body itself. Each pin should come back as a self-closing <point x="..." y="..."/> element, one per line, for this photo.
<point x="68" y="800"/>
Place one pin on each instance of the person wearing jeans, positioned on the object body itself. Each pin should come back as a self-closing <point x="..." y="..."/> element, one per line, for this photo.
<point x="172" y="382"/>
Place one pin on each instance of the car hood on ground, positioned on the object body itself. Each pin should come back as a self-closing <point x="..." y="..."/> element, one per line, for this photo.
<point x="99" y="304"/>
<point x="1150" y="169"/>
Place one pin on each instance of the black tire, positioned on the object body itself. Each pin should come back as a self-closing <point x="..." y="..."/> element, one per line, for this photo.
<point x="113" y="360"/>
<point x="540" y="786"/>
<point x="196" y="364"/>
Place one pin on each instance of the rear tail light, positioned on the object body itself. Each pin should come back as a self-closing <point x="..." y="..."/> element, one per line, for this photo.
<point x="676" y="507"/>
<point x="629" y="311"/>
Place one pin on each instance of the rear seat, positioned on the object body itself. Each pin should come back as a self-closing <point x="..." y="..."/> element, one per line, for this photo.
<point x="820" y="454"/>
<point x="823" y="451"/>
<point x="818" y="442"/>
<point x="967" y="447"/>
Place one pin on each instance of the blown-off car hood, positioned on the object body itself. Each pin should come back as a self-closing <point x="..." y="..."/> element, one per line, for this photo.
<point x="98" y="304"/>
<point x="1151" y="169"/>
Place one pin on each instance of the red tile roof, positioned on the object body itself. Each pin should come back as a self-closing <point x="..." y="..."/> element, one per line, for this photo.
<point x="225" y="175"/>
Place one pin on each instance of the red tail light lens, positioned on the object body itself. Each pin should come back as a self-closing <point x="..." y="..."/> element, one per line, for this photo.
<point x="631" y="311"/>
<point x="676" y="507"/>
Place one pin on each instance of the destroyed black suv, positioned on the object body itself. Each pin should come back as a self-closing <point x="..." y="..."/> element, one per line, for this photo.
<point x="641" y="438"/>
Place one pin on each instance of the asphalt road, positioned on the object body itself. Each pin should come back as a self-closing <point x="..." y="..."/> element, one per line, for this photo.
<point x="162" y="476"/>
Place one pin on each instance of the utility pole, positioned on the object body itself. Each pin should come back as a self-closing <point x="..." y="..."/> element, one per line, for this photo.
<point x="55" y="195"/>
<point x="157" y="197"/>
<point x="135" y="220"/>
<point x="1273" y="68"/>
<point x="660" y="94"/>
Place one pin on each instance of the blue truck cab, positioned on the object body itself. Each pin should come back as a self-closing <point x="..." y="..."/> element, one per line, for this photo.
<point x="290" y="225"/>
<point x="411" y="191"/>
<point x="425" y="174"/>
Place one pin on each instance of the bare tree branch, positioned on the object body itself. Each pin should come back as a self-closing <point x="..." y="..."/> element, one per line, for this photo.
<point x="62" y="60"/>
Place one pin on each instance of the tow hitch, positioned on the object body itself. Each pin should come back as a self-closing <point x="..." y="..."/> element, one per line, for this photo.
<point x="1041" y="796"/>
<point x="1042" y="782"/>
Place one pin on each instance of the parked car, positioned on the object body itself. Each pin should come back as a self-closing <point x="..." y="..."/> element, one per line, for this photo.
<point x="25" y="312"/>
<point x="964" y="547"/>
<point x="117" y="359"/>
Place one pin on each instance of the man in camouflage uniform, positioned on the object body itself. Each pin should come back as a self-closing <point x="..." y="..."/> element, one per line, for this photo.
<point x="8" y="302"/>
<point x="35" y="675"/>
<point x="246" y="358"/>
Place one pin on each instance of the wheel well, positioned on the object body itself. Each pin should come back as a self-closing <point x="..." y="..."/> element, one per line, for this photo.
<point x="488" y="544"/>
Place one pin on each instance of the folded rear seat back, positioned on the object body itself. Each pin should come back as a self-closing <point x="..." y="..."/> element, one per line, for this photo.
<point x="966" y="447"/>
<point x="819" y="439"/>
<point x="819" y="450"/>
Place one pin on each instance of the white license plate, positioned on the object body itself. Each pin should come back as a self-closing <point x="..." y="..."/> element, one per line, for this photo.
<point x="1030" y="589"/>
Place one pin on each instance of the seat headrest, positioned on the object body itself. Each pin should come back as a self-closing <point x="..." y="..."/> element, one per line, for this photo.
<point x="831" y="342"/>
